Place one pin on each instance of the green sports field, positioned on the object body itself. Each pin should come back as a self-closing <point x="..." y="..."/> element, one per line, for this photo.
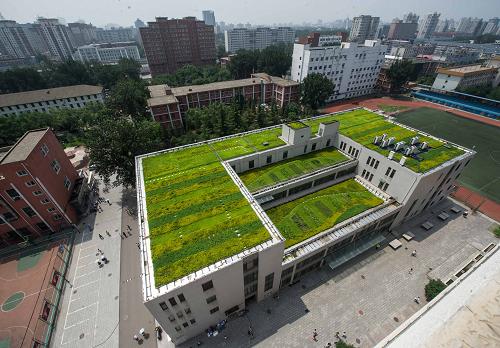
<point x="483" y="172"/>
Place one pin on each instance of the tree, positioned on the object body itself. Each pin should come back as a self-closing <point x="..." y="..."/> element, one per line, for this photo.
<point x="129" y="98"/>
<point x="21" y="79"/>
<point x="399" y="73"/>
<point x="433" y="288"/>
<point x="244" y="63"/>
<point x="113" y="144"/>
<point x="343" y="344"/>
<point x="315" y="90"/>
<point x="193" y="75"/>
<point x="275" y="60"/>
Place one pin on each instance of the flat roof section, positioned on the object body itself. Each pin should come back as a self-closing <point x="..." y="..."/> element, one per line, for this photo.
<point x="196" y="214"/>
<point x="23" y="147"/>
<point x="467" y="70"/>
<point x="309" y="215"/>
<point x="296" y="125"/>
<point x="291" y="168"/>
<point x="363" y="126"/>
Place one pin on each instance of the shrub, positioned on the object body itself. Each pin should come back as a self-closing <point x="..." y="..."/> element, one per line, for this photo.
<point x="433" y="288"/>
<point x="496" y="231"/>
<point x="342" y="344"/>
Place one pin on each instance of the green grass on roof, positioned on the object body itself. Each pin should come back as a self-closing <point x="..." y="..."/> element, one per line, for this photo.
<point x="296" y="125"/>
<point x="362" y="126"/>
<point x="196" y="214"/>
<point x="305" y="217"/>
<point x="272" y="174"/>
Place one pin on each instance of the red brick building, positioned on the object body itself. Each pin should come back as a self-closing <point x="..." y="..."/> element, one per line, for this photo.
<point x="37" y="186"/>
<point x="170" y="44"/>
<point x="170" y="105"/>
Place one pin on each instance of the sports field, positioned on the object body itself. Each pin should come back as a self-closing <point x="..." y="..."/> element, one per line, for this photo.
<point x="307" y="216"/>
<point x="31" y="282"/>
<point x="482" y="175"/>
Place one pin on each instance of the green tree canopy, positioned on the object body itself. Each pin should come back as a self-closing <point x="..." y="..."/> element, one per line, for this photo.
<point x="193" y="75"/>
<point x="129" y="98"/>
<point x="274" y="60"/>
<point x="315" y="90"/>
<point x="113" y="144"/>
<point x="399" y="73"/>
<point x="433" y="288"/>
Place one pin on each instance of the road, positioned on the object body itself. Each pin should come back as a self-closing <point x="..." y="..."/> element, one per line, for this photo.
<point x="133" y="314"/>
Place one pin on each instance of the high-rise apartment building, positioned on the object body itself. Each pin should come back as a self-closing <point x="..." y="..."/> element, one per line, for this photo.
<point x="410" y="18"/>
<point x="57" y="38"/>
<point x="209" y="17"/>
<point x="400" y="30"/>
<point x="82" y="33"/>
<point x="114" y="35"/>
<point x="170" y="44"/>
<point x="428" y="26"/>
<point x="364" y="28"/>
<point x="352" y="67"/>
<point x="492" y="26"/>
<point x="34" y="36"/>
<point x="13" y="40"/>
<point x="256" y="39"/>
<point x="38" y="188"/>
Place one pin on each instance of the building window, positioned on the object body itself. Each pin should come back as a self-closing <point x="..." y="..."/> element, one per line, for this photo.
<point x="211" y="299"/>
<point x="13" y="194"/>
<point x="268" y="284"/>
<point x="57" y="217"/>
<point x="285" y="155"/>
<point x="376" y="164"/>
<point x="180" y="314"/>
<point x="185" y="324"/>
<point x="192" y="321"/>
<point x="386" y="186"/>
<point x="269" y="159"/>
<point x="388" y="171"/>
<point x="181" y="298"/>
<point x="37" y="193"/>
<point x="251" y="164"/>
<point x="371" y="177"/>
<point x="177" y="328"/>
<point x="51" y="209"/>
<point x="207" y="286"/>
<point x="368" y="160"/>
<point x="172" y="301"/>
<point x="380" y="184"/>
<point x="328" y="143"/>
<point x="392" y="173"/>
<point x="313" y="147"/>
<point x="42" y="226"/>
<point x="28" y="211"/>
<point x="22" y="173"/>
<point x="30" y="183"/>
<point x="305" y="149"/>
<point x="45" y="201"/>
<point x="214" y="310"/>
<point x="187" y="310"/>
<point x="55" y="166"/>
<point x="163" y="306"/>
<point x="45" y="150"/>
<point x="67" y="183"/>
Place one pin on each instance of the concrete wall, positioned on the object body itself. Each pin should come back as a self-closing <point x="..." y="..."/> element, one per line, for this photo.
<point x="446" y="82"/>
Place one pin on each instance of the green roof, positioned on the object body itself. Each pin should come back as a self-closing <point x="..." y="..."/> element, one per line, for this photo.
<point x="309" y="215"/>
<point x="196" y="214"/>
<point x="362" y="126"/>
<point x="296" y="125"/>
<point x="275" y="173"/>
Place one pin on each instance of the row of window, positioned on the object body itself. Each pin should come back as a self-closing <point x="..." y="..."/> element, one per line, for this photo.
<point x="383" y="185"/>
<point x="372" y="162"/>
<point x="390" y="172"/>
<point x="367" y="175"/>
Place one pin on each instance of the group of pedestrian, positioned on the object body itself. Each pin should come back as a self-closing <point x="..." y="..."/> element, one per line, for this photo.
<point x="102" y="260"/>
<point x="142" y="335"/>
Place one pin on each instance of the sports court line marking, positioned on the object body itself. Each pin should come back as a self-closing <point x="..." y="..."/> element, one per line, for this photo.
<point x="80" y="322"/>
<point x="81" y="309"/>
<point x="81" y="286"/>
<point x="88" y="246"/>
<point x="86" y="274"/>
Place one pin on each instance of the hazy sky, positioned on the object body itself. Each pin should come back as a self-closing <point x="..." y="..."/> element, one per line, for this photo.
<point x="124" y="12"/>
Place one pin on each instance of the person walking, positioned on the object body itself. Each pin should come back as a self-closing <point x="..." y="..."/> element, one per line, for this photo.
<point x="414" y="253"/>
<point x="410" y="271"/>
<point x="315" y="335"/>
<point x="138" y="245"/>
<point x="344" y="335"/>
<point x="100" y="236"/>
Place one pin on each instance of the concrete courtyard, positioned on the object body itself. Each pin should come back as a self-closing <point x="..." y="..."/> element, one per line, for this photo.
<point x="368" y="297"/>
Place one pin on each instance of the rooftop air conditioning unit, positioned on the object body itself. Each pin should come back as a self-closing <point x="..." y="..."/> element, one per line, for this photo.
<point x="391" y="141"/>
<point x="408" y="151"/>
<point x="384" y="136"/>
<point x="424" y="145"/>
<point x="413" y="149"/>
<point x="391" y="155"/>
<point x="376" y="140"/>
<point x="384" y="143"/>
<point x="414" y="140"/>
<point x="402" y="160"/>
<point x="399" y="145"/>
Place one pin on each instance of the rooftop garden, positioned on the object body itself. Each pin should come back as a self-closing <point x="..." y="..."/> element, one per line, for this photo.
<point x="296" y="125"/>
<point x="196" y="214"/>
<point x="272" y="174"/>
<point x="307" y="216"/>
<point x="362" y="126"/>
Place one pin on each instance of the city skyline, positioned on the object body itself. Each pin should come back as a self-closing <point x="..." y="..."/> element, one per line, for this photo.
<point x="125" y="12"/>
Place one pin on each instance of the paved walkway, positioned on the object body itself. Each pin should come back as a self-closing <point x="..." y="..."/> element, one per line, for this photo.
<point x="89" y="312"/>
<point x="368" y="298"/>
<point x="133" y="314"/>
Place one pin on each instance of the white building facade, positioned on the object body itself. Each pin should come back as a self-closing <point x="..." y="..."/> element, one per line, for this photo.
<point x="188" y="306"/>
<point x="464" y="77"/>
<point x="43" y="100"/>
<point x="256" y="39"/>
<point x="352" y="67"/>
<point x="106" y="54"/>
